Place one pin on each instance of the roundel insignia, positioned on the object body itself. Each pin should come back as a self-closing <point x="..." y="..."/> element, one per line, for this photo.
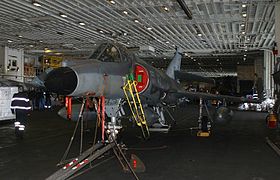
<point x="142" y="78"/>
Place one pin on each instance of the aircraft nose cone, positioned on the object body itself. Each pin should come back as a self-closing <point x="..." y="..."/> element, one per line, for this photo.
<point x="62" y="81"/>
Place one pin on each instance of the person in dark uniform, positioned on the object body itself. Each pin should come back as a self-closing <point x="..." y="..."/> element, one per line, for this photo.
<point x="20" y="106"/>
<point x="48" y="102"/>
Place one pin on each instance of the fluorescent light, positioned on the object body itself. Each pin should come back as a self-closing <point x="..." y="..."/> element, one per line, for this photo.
<point x="199" y="34"/>
<point x="63" y="15"/>
<point x="242" y="25"/>
<point x="101" y="31"/>
<point x="248" y="39"/>
<point x="36" y="4"/>
<point x="125" y="12"/>
<point x="244" y="15"/>
<point x="82" y="23"/>
<point x="167" y="42"/>
<point x="40" y="41"/>
<point x="164" y="58"/>
<point x="149" y="28"/>
<point x="245" y="50"/>
<point x="48" y="51"/>
<point x="243" y="32"/>
<point x="135" y="20"/>
<point x="9" y="41"/>
<point x="244" y="5"/>
<point x="112" y="2"/>
<point x="20" y="36"/>
<point x="31" y="45"/>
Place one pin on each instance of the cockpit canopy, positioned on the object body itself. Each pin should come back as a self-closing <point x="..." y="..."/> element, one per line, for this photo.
<point x="108" y="52"/>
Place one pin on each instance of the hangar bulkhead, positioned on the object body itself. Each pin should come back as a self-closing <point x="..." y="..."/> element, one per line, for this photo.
<point x="104" y="89"/>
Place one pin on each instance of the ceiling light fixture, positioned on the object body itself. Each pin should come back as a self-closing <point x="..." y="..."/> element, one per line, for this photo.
<point x="135" y="20"/>
<point x="112" y="2"/>
<point x="244" y="5"/>
<point x="82" y="23"/>
<point x="20" y="36"/>
<point x="244" y="15"/>
<point x="245" y="50"/>
<point x="35" y="3"/>
<point x="63" y="15"/>
<point x="245" y="55"/>
<point x="217" y="60"/>
<point x="40" y="41"/>
<point x="125" y="12"/>
<point x="243" y="32"/>
<point x="149" y="28"/>
<point x="101" y="31"/>
<point x="31" y="45"/>
<point x="166" y="8"/>
<point x="48" y="51"/>
<point x="199" y="34"/>
<point x="242" y="25"/>
<point x="244" y="59"/>
<point x="9" y="41"/>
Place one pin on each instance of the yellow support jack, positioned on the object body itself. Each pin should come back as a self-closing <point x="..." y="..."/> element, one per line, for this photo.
<point x="204" y="125"/>
<point x="203" y="134"/>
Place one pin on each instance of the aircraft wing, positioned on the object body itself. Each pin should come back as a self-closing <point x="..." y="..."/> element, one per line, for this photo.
<point x="189" y="77"/>
<point x="11" y="83"/>
<point x="208" y="96"/>
<point x="37" y="82"/>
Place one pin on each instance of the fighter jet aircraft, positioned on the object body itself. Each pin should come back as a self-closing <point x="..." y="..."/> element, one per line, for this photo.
<point x="107" y="72"/>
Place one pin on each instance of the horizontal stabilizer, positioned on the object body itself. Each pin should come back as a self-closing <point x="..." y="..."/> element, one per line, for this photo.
<point x="189" y="77"/>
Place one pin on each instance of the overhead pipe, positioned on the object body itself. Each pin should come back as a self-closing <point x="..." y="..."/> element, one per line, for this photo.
<point x="185" y="8"/>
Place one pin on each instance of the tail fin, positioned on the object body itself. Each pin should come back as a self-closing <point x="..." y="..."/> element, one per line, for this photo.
<point x="175" y="64"/>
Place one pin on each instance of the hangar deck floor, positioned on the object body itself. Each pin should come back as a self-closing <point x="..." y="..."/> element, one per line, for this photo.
<point x="237" y="152"/>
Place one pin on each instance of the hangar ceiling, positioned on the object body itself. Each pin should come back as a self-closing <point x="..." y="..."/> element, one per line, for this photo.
<point x="218" y="28"/>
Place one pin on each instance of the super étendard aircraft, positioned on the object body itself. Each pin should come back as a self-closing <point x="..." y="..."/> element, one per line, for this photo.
<point x="106" y="74"/>
<point x="115" y="79"/>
